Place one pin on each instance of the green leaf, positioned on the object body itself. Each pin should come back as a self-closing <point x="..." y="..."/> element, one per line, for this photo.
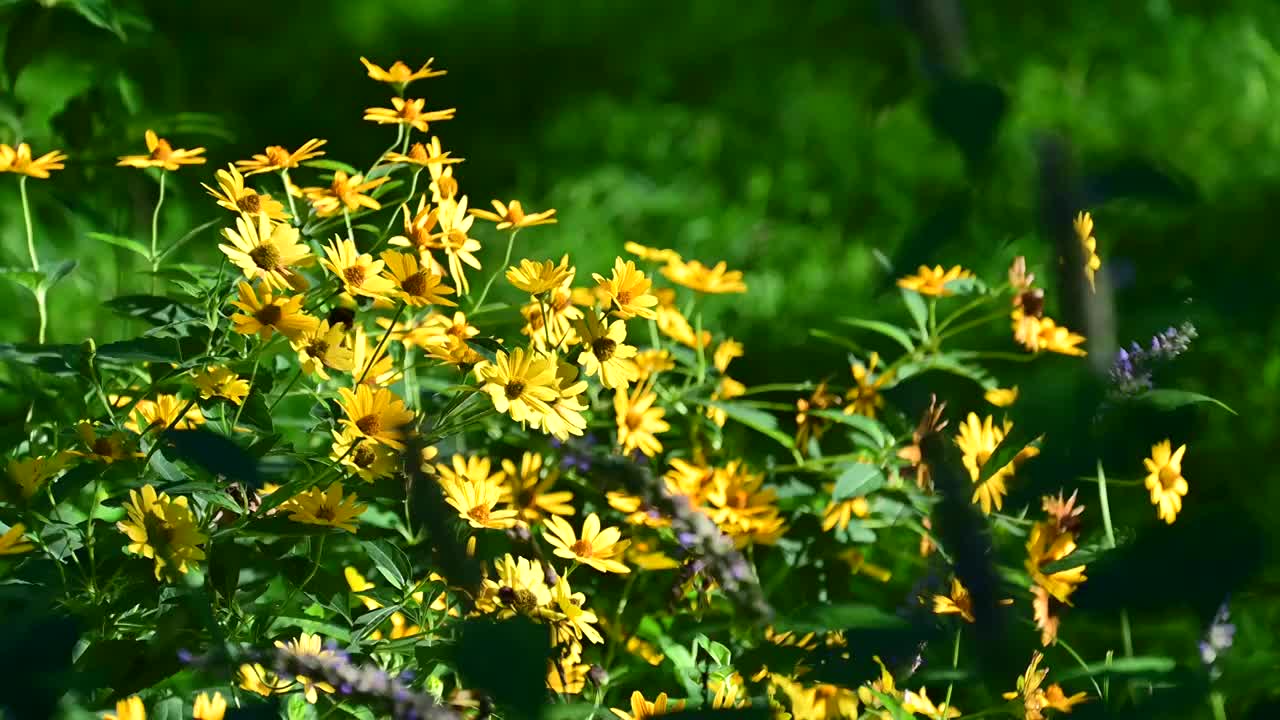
<point x="1173" y="399"/>
<point x="892" y="332"/>
<point x="1013" y="443"/>
<point x="834" y="339"/>
<point x="152" y="309"/>
<point x="872" y="428"/>
<point x="129" y="244"/>
<point x="170" y="708"/>
<point x="758" y="420"/>
<point x="151" y="349"/>
<point x="857" y="479"/>
<point x="390" y="561"/>
<point x="299" y="709"/>
<point x="328" y="164"/>
<point x="896" y="711"/>
<point x="948" y="363"/>
<point x="58" y="272"/>
<point x="518" y="682"/>
<point x="216" y="454"/>
<point x="919" y="311"/>
<point x="29" y="279"/>
<point x="191" y="234"/>
<point x="818" y="618"/>
<point x="1142" y="665"/>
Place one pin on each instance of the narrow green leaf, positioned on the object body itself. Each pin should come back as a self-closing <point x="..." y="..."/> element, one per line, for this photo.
<point x="191" y="234"/>
<point x="1142" y="665"/>
<point x="129" y="244"/>
<point x="872" y="428"/>
<point x="1173" y="399"/>
<point x="818" y="618"/>
<point x="58" y="272"/>
<point x="329" y="164"/>
<point x="1006" y="451"/>
<point x="758" y="420"/>
<point x="919" y="311"/>
<point x="29" y="279"/>
<point x="857" y="479"/>
<point x="892" y="332"/>
<point x="389" y="561"/>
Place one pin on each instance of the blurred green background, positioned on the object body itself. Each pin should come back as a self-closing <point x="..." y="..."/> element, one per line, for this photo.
<point x="821" y="147"/>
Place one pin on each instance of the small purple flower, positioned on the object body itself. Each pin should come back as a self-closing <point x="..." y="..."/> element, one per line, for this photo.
<point x="1133" y="366"/>
<point x="1218" y="638"/>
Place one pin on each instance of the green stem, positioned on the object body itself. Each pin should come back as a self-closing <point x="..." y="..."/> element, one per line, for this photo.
<point x="1079" y="660"/>
<point x="346" y="215"/>
<point x="293" y="210"/>
<point x="41" y="307"/>
<point x="964" y="310"/>
<point x="511" y="241"/>
<point x="1126" y="634"/>
<point x="292" y="381"/>
<point x="155" y="234"/>
<point x="1219" y="705"/>
<point x="253" y="375"/>
<point x="373" y="358"/>
<point x="955" y="663"/>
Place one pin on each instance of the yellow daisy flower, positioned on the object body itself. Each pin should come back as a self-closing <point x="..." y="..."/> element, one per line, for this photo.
<point x="20" y="162"/>
<point x="1057" y="339"/>
<point x="726" y="389"/>
<point x="606" y="353"/>
<point x="565" y="416"/>
<point x="130" y="708"/>
<point x="839" y="512"/>
<point x="959" y="602"/>
<point x="628" y="291"/>
<point x="559" y="312"/>
<point x="419" y="230"/>
<point x="536" y="278"/>
<point x="725" y="353"/>
<point x="326" y="507"/>
<point x="30" y="474"/>
<point x="651" y="362"/>
<point x="160" y="154"/>
<point x="1165" y="481"/>
<point x="513" y="216"/>
<point x="276" y="158"/>
<point x="521" y="384"/>
<point x="639" y="421"/>
<point x="257" y="679"/>
<point x="235" y="196"/>
<point x="1028" y="689"/>
<point x="696" y="276"/>
<point x="933" y="281"/>
<point x="270" y="314"/>
<point x="642" y="709"/>
<point x="1084" y="230"/>
<point x="576" y="621"/>
<point x="161" y="413"/>
<point x="459" y="247"/>
<point x="312" y="645"/>
<point x="267" y="250"/>
<point x="920" y="703"/>
<point x="1001" y="397"/>
<point x="567" y="677"/>
<point x="1055" y="698"/>
<point x="345" y="192"/>
<point x="470" y="468"/>
<point x="526" y="487"/>
<point x="424" y="155"/>
<point x="476" y="502"/>
<point x="209" y="708"/>
<point x="217" y="381"/>
<point x="597" y="547"/>
<point x="376" y="414"/>
<point x="163" y="529"/>
<point x="368" y="460"/>
<point x="977" y="440"/>
<point x="373" y="366"/>
<point x="652" y="254"/>
<point x="400" y="74"/>
<point x="359" y="272"/>
<point x="408" y="112"/>
<point x="12" y="541"/>
<point x="1046" y="544"/>
<point x="821" y="701"/>
<point x="673" y="324"/>
<point x="416" y="287"/>
<point x="322" y="347"/>
<point x="864" y="397"/>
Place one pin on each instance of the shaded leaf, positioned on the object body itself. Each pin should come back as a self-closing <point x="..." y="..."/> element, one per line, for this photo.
<point x="1169" y="399"/>
<point x="818" y="618"/>
<point x="857" y="479"/>
<point x="216" y="454"/>
<point x="390" y="562"/>
<point x="152" y="308"/>
<point x="758" y="420"/>
<point x="29" y="279"/>
<point x="518" y="682"/>
<point x="129" y="244"/>
<point x="892" y="332"/>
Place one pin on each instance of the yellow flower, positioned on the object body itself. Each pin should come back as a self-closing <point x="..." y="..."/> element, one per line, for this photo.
<point x="270" y="314"/>
<point x="161" y="155"/>
<point x="359" y="272"/>
<point x="368" y="460"/>
<point x="822" y="701"/>
<point x="652" y="254"/>
<point x="977" y="440"/>
<point x="12" y="541"/>
<point x="864" y="397"/>
<point x="308" y="644"/>
<point x="840" y="512"/>
<point x="424" y="155"/>
<point x="235" y="196"/>
<point x="673" y="324"/>
<point x="217" y="381"/>
<point x="162" y="413"/>
<point x="257" y="679"/>
<point x="130" y="708"/>
<point x="416" y="287"/>
<point x="576" y="621"/>
<point x="209" y="708"/>
<point x="521" y="587"/>
<point x="920" y="703"/>
<point x="469" y="469"/>
<point x="1046" y="544"/>
<point x="1002" y="397"/>
<point x="1044" y="612"/>
<point x="1055" y="698"/>
<point x="639" y="421"/>
<point x="740" y="504"/>
<point x="163" y="529"/>
<point x="566" y="418"/>
<point x="513" y="216"/>
<point x="527" y="488"/>
<point x="725" y="353"/>
<point x="105" y="449"/>
<point x="567" y="677"/>
<point x="458" y="246"/>
<point x="596" y="548"/>
<point x="696" y="276"/>
<point x="400" y="74"/>
<point x="727" y="389"/>
<point x="408" y="112"/>
<point x="372" y="364"/>
<point x="326" y="507"/>
<point x="808" y="425"/>
<point x="276" y="158"/>
<point x="1084" y="230"/>
<point x="607" y="354"/>
<point x="476" y="502"/>
<point x="645" y="650"/>
<point x="19" y="161"/>
<point x="651" y="362"/>
<point x="521" y="384"/>
<point x="933" y="281"/>
<point x="29" y="475"/>
<point x="268" y="250"/>
<point x="959" y="602"/>
<point x="536" y="278"/>
<point x="345" y="192"/>
<point x="642" y="709"/>
<point x="322" y="346"/>
<point x="628" y="291"/>
<point x="1042" y="333"/>
<point x="559" y="313"/>
<point x="1165" y="480"/>
<point x="376" y="414"/>
<point x="1033" y="698"/>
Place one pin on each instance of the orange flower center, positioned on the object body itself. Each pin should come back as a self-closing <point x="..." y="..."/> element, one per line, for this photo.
<point x="317" y="348"/>
<point x="278" y="156"/>
<point x="163" y="150"/>
<point x="447" y="186"/>
<point x="479" y="513"/>
<point x="622" y="297"/>
<point x="1169" y="477"/>
<point x="514" y="389"/>
<point x="269" y="314"/>
<point x="363" y="456"/>
<point x="415" y="284"/>
<point x="603" y="349"/>
<point x="582" y="549"/>
<point x="369" y="424"/>
<point x="354" y="275"/>
<point x="325" y="512"/>
<point x="265" y="256"/>
<point x="103" y="446"/>
<point x="250" y="202"/>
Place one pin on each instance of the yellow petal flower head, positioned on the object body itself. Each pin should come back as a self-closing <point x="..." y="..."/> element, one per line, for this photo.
<point x="326" y="507"/>
<point x="567" y="677"/>
<point x="1165" y="481"/>
<point x="369" y="461"/>
<point x="419" y="231"/>
<point x="379" y="415"/>
<point x="651" y="362"/>
<point x="840" y="512"/>
<point x="1055" y="698"/>
<point x="1084" y="231"/>
<point x="673" y="324"/>
<point x="740" y="504"/>
<point x="1046" y="545"/>
<point x="642" y="709"/>
<point x="521" y="587"/>
<point x="19" y="161"/>
<point x="209" y="708"/>
<point x="162" y="413"/>
<point x="566" y="418"/>
<point x="257" y="679"/>
<point x="864" y="397"/>
<point x="914" y="702"/>
<point x="1001" y="397"/>
<point x="572" y="621"/>
<point x="400" y="74"/>
<point x="108" y="448"/>
<point x="1056" y="339"/>
<point x="409" y="113"/>
<point x="424" y="155"/>
<point x="359" y="272"/>
<point x="268" y="250"/>
<point x="628" y="291"/>
<point x="512" y="216"/>
<point x="652" y="254"/>
<point x="640" y="421"/>
<point x="164" y="529"/>
<point x="270" y="314"/>
<point x="12" y="541"/>
<point x="606" y="353"/>
<point x="312" y="645"/>
<point x="476" y="502"/>
<point x="373" y="364"/>
<point x="725" y="353"/>
<point x="977" y="440"/>
<point x="959" y="602"/>
<point x="345" y="192"/>
<point x="549" y="324"/>
<point x="459" y="247"/>
<point x="1044" y="610"/>
<point x="130" y="708"/>
<point x="821" y="701"/>
<point x="276" y="158"/>
<point x="933" y="281"/>
<point x="521" y="384"/>
<point x="160" y="154"/>
<point x="694" y="275"/>
<point x="1028" y="689"/>
<point x="727" y="389"/>
<point x="235" y="196"/>
<point x="29" y="475"/>
<point x="597" y="547"/>
<point x="527" y="488"/>
<point x="323" y="347"/>
<point x="217" y="381"/>
<point x="418" y="287"/>
<point x="536" y="278"/>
